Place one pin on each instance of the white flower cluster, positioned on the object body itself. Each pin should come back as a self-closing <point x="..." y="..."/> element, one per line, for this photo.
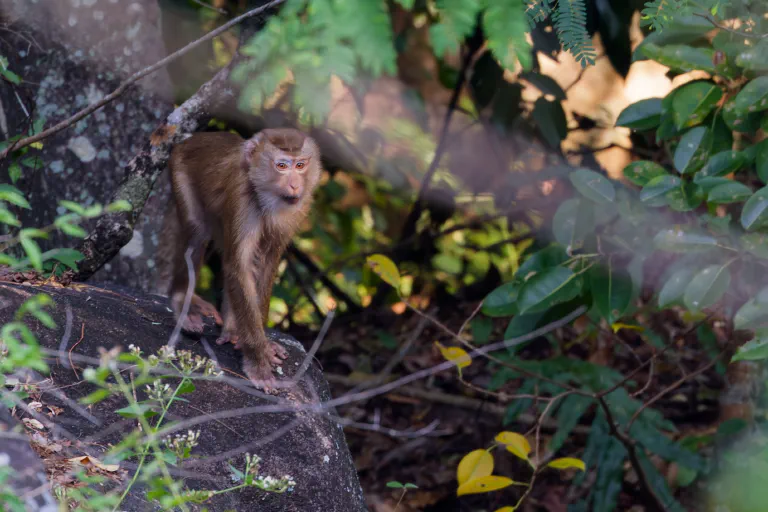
<point x="182" y="444"/>
<point x="159" y="391"/>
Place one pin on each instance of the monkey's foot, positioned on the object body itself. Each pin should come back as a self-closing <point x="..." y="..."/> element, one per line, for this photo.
<point x="276" y="353"/>
<point x="205" y="308"/>
<point x="260" y="374"/>
<point x="229" y="337"/>
<point x="193" y="323"/>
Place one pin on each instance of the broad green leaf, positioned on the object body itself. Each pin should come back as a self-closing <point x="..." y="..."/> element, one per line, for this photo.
<point x="593" y="186"/>
<point x="515" y="444"/>
<point x="753" y="350"/>
<point x="573" y="221"/>
<point x="680" y="57"/>
<point x="568" y="463"/>
<point x="707" y="183"/>
<point x="547" y="288"/>
<point x="722" y="163"/>
<point x="642" y="171"/>
<point x="658" y="187"/>
<point x="677" y="240"/>
<point x="686" y="197"/>
<point x="756" y="243"/>
<point x="521" y="325"/>
<point x="119" y="206"/>
<point x="642" y="115"/>
<point x="457" y="355"/>
<point x="33" y="253"/>
<point x="505" y="28"/>
<point x="502" y="301"/>
<point x="754" y="215"/>
<point x="733" y="192"/>
<point x="752" y="315"/>
<point x="545" y="84"/>
<point x="707" y="287"/>
<point x="611" y="291"/>
<point x="95" y="397"/>
<point x="187" y="386"/>
<point x="550" y="118"/>
<point x="6" y="217"/>
<point x="484" y="484"/>
<point x="675" y="286"/>
<point x="761" y="161"/>
<point x="688" y="155"/>
<point x="71" y="229"/>
<point x="386" y="269"/>
<point x="73" y="207"/>
<point x="740" y="121"/>
<point x="475" y="464"/>
<point x="543" y="259"/>
<point x="694" y="101"/>
<point x="12" y="195"/>
<point x="68" y="257"/>
<point x="753" y="97"/>
<point x="14" y="172"/>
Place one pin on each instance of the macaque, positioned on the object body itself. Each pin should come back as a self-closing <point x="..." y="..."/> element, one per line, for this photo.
<point x="249" y="197"/>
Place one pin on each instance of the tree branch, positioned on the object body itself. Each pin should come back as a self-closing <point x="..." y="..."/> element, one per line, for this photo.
<point x="90" y="109"/>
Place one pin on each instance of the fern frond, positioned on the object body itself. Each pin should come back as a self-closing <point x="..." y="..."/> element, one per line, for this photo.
<point x="457" y="19"/>
<point x="570" y="20"/>
<point x="659" y="13"/>
<point x="505" y="27"/>
<point x="537" y="11"/>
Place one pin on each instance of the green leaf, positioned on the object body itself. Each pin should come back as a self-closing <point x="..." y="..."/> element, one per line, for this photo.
<point x="550" y="118"/>
<point x="740" y="121"/>
<point x="395" y="485"/>
<point x="68" y="257"/>
<point x="521" y="325"/>
<point x="681" y="57"/>
<point x="761" y="161"/>
<point x="457" y="19"/>
<point x="505" y="28"/>
<point x="722" y="163"/>
<point x="753" y="350"/>
<point x="14" y="172"/>
<point x="685" y="198"/>
<point x="611" y="291"/>
<point x="754" y="215"/>
<point x="6" y="217"/>
<point x="733" y="192"/>
<point x="547" y="288"/>
<point x="411" y="486"/>
<point x="675" y="286"/>
<point x="33" y="253"/>
<point x="592" y="185"/>
<point x="136" y="410"/>
<point x="677" y="240"/>
<point x="10" y="76"/>
<point x="541" y="260"/>
<point x="756" y="243"/>
<point x="407" y="4"/>
<point x="73" y="207"/>
<point x="573" y="221"/>
<point x="752" y="315"/>
<point x="694" y="101"/>
<point x="707" y="287"/>
<point x="481" y="329"/>
<point x="12" y="195"/>
<point x="641" y="115"/>
<point x="502" y="301"/>
<point x="642" y="171"/>
<point x="187" y="386"/>
<point x="119" y="206"/>
<point x="753" y="97"/>
<point x="688" y="155"/>
<point x="658" y="187"/>
<point x="95" y="397"/>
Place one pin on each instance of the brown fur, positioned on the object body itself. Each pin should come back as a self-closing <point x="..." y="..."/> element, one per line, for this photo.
<point x="234" y="192"/>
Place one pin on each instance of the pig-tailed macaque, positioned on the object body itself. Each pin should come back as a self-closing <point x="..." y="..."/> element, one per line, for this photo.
<point x="249" y="197"/>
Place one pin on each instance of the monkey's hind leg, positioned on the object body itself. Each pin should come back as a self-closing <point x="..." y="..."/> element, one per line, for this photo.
<point x="229" y="330"/>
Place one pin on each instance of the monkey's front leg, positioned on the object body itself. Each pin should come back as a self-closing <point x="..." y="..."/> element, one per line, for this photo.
<point x="258" y="355"/>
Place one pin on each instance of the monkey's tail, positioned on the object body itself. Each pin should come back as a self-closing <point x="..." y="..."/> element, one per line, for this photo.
<point x="169" y="238"/>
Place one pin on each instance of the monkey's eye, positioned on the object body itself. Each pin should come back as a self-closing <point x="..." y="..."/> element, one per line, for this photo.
<point x="282" y="165"/>
<point x="300" y="165"/>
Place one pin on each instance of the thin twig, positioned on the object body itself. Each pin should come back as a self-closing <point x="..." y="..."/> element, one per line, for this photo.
<point x="719" y="25"/>
<point x="90" y="109"/>
<point x="69" y="352"/>
<point x="315" y="346"/>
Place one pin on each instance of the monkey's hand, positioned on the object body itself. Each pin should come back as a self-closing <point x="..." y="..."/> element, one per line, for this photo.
<point x="205" y="308"/>
<point x="229" y="337"/>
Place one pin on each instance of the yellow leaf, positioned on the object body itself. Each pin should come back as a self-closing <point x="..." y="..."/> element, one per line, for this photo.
<point x="567" y="463"/>
<point x="386" y="269"/>
<point x="455" y="354"/>
<point x="484" y="484"/>
<point x="618" y="326"/>
<point x="508" y="508"/>
<point x="475" y="464"/>
<point x="37" y="145"/>
<point x="515" y="444"/>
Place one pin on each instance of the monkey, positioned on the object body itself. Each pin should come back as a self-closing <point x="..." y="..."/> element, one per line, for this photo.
<point x="249" y="197"/>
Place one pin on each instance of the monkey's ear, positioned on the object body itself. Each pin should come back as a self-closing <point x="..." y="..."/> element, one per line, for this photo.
<point x="308" y="146"/>
<point x="253" y="145"/>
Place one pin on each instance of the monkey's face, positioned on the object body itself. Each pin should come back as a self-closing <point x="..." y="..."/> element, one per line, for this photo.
<point x="284" y="167"/>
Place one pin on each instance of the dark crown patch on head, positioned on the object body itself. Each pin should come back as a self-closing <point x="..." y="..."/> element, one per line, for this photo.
<point x="289" y="141"/>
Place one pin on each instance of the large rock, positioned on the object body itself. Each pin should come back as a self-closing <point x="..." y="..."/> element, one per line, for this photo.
<point x="69" y="54"/>
<point x="308" y="446"/>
